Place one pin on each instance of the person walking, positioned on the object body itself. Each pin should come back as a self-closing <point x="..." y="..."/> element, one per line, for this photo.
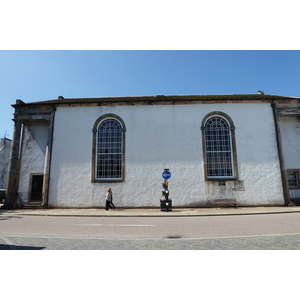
<point x="109" y="200"/>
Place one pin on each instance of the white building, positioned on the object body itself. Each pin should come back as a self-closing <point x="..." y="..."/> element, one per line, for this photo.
<point x="244" y="148"/>
<point x="5" y="145"/>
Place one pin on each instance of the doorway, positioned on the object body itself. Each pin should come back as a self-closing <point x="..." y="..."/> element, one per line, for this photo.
<point x="36" y="194"/>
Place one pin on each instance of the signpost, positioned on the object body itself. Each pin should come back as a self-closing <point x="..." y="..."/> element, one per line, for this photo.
<point x="166" y="203"/>
<point x="166" y="174"/>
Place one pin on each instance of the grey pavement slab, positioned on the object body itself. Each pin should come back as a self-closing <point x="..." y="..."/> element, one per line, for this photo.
<point x="152" y="212"/>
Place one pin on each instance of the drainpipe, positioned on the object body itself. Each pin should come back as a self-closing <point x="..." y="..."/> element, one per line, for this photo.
<point x="286" y="193"/>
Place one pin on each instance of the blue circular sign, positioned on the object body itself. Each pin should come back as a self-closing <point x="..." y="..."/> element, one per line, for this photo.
<point x="166" y="174"/>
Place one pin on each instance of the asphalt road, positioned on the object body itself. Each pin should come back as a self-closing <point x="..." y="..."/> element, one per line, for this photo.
<point x="240" y="232"/>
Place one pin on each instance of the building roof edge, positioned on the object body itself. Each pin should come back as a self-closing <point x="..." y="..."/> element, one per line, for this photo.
<point x="159" y="98"/>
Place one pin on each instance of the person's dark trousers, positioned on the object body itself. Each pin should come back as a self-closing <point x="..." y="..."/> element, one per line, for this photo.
<point x="109" y="205"/>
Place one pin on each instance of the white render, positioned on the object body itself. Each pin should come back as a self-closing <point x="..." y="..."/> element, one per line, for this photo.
<point x="290" y="129"/>
<point x="5" y="146"/>
<point x="34" y="143"/>
<point x="158" y="137"/>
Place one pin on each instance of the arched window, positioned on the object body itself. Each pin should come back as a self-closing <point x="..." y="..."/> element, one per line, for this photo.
<point x="108" y="150"/>
<point x="219" y="147"/>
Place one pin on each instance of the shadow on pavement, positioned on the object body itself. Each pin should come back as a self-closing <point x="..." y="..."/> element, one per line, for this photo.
<point x="8" y="247"/>
<point x="6" y="216"/>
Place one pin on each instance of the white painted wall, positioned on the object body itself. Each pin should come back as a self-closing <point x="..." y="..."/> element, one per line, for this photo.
<point x="290" y="135"/>
<point x="5" y="146"/>
<point x="159" y="137"/>
<point x="34" y="144"/>
<point x="290" y="132"/>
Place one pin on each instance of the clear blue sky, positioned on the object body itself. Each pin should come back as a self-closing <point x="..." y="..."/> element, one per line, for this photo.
<point x="44" y="75"/>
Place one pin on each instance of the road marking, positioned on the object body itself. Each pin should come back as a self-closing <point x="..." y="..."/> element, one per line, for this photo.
<point x="239" y="236"/>
<point x="143" y="238"/>
<point x="116" y="225"/>
<point x="8" y="242"/>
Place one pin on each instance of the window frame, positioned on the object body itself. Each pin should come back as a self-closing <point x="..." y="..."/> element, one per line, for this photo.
<point x="234" y="162"/>
<point x="297" y="171"/>
<point x="94" y="178"/>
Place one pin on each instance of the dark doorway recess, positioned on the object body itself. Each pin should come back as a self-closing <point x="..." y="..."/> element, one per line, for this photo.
<point x="36" y="188"/>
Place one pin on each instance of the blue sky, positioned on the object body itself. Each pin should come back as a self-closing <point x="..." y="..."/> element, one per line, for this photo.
<point x="44" y="75"/>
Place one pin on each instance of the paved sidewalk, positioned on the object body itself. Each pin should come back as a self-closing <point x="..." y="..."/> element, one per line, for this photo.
<point x="151" y="212"/>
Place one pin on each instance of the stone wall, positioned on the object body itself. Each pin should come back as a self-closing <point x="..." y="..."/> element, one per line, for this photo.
<point x="34" y="142"/>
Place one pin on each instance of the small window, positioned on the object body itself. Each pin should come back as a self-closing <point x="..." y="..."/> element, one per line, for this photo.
<point x="293" y="179"/>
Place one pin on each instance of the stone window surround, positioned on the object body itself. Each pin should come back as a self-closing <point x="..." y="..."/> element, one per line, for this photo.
<point x="234" y="152"/>
<point x="94" y="147"/>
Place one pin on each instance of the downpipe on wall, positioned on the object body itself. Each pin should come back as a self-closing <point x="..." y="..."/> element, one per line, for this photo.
<point x="284" y="178"/>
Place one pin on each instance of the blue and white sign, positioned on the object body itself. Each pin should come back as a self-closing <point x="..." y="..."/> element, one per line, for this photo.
<point x="166" y="174"/>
